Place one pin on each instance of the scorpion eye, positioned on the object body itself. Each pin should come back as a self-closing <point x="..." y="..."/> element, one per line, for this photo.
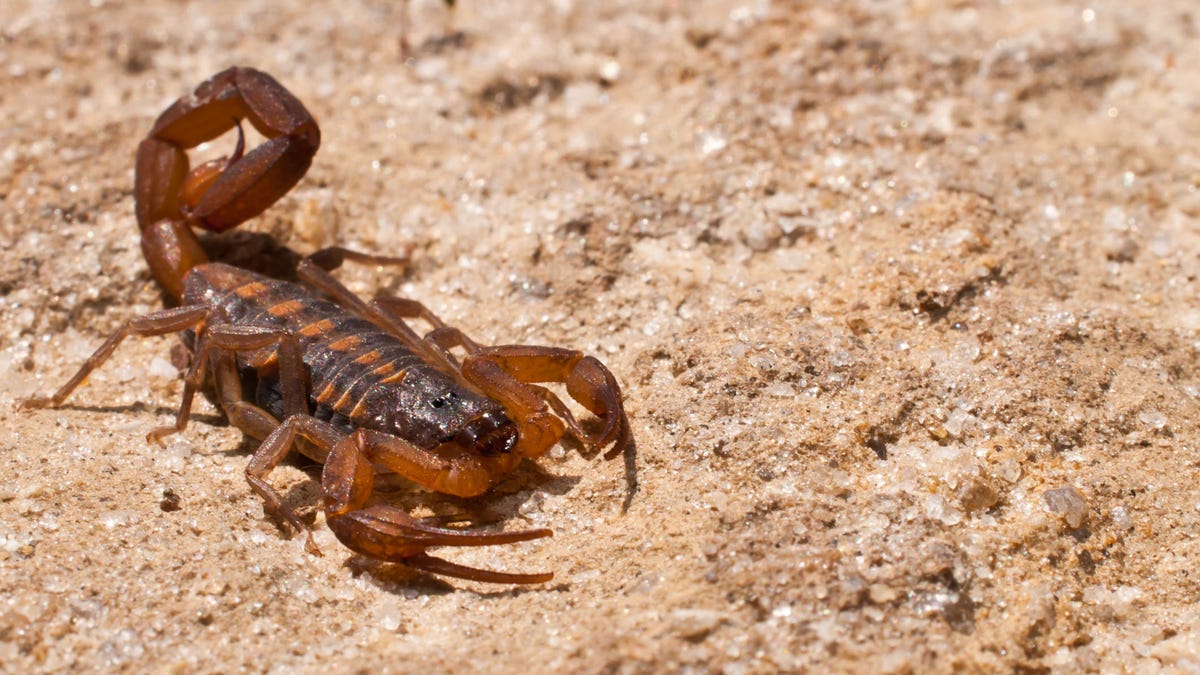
<point x="441" y="401"/>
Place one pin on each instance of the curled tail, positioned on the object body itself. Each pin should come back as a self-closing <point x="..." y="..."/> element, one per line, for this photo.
<point x="172" y="198"/>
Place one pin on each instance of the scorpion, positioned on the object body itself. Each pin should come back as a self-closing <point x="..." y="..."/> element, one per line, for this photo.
<point x="307" y="365"/>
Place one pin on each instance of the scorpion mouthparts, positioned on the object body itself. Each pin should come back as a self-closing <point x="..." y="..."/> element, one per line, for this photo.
<point x="490" y="434"/>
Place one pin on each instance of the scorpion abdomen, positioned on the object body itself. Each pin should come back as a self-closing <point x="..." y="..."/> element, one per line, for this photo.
<point x="359" y="375"/>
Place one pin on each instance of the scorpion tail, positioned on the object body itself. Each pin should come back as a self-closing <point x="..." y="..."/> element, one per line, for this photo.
<point x="218" y="195"/>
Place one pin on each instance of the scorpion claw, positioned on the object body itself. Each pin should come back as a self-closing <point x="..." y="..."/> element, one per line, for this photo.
<point x="428" y="563"/>
<point x="595" y="388"/>
<point x="388" y="533"/>
<point x="509" y="372"/>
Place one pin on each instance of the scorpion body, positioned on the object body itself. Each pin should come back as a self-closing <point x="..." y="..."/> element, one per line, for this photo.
<point x="362" y="376"/>
<point x="310" y="366"/>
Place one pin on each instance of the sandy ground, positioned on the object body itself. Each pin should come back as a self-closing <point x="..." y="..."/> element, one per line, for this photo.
<point x="902" y="295"/>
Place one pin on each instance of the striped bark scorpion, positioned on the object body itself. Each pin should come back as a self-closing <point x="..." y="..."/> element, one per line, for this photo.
<point x="311" y="366"/>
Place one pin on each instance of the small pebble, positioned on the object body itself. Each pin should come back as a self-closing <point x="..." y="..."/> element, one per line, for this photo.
<point x="1068" y="503"/>
<point x="696" y="624"/>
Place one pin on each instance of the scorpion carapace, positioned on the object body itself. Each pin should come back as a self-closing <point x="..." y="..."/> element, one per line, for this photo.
<point x="310" y="366"/>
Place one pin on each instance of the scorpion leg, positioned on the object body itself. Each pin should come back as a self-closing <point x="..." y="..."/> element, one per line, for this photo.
<point x="271" y="452"/>
<point x="384" y="532"/>
<point x="332" y="257"/>
<point x="191" y="381"/>
<point x="315" y="269"/>
<point x="251" y="419"/>
<point x="403" y="308"/>
<point x="265" y="345"/>
<point x="210" y="344"/>
<point x="285" y="353"/>
<point x="232" y="340"/>
<point x="162" y="322"/>
<point x="409" y="309"/>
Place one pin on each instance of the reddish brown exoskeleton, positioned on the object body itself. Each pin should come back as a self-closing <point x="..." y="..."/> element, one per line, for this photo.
<point x="311" y="366"/>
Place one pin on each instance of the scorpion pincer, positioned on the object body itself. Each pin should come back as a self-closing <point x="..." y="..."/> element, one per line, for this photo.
<point x="308" y="365"/>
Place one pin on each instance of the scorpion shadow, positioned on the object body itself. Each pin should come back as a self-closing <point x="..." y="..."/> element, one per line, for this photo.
<point x="400" y="580"/>
<point x="255" y="251"/>
<point x="628" y="456"/>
